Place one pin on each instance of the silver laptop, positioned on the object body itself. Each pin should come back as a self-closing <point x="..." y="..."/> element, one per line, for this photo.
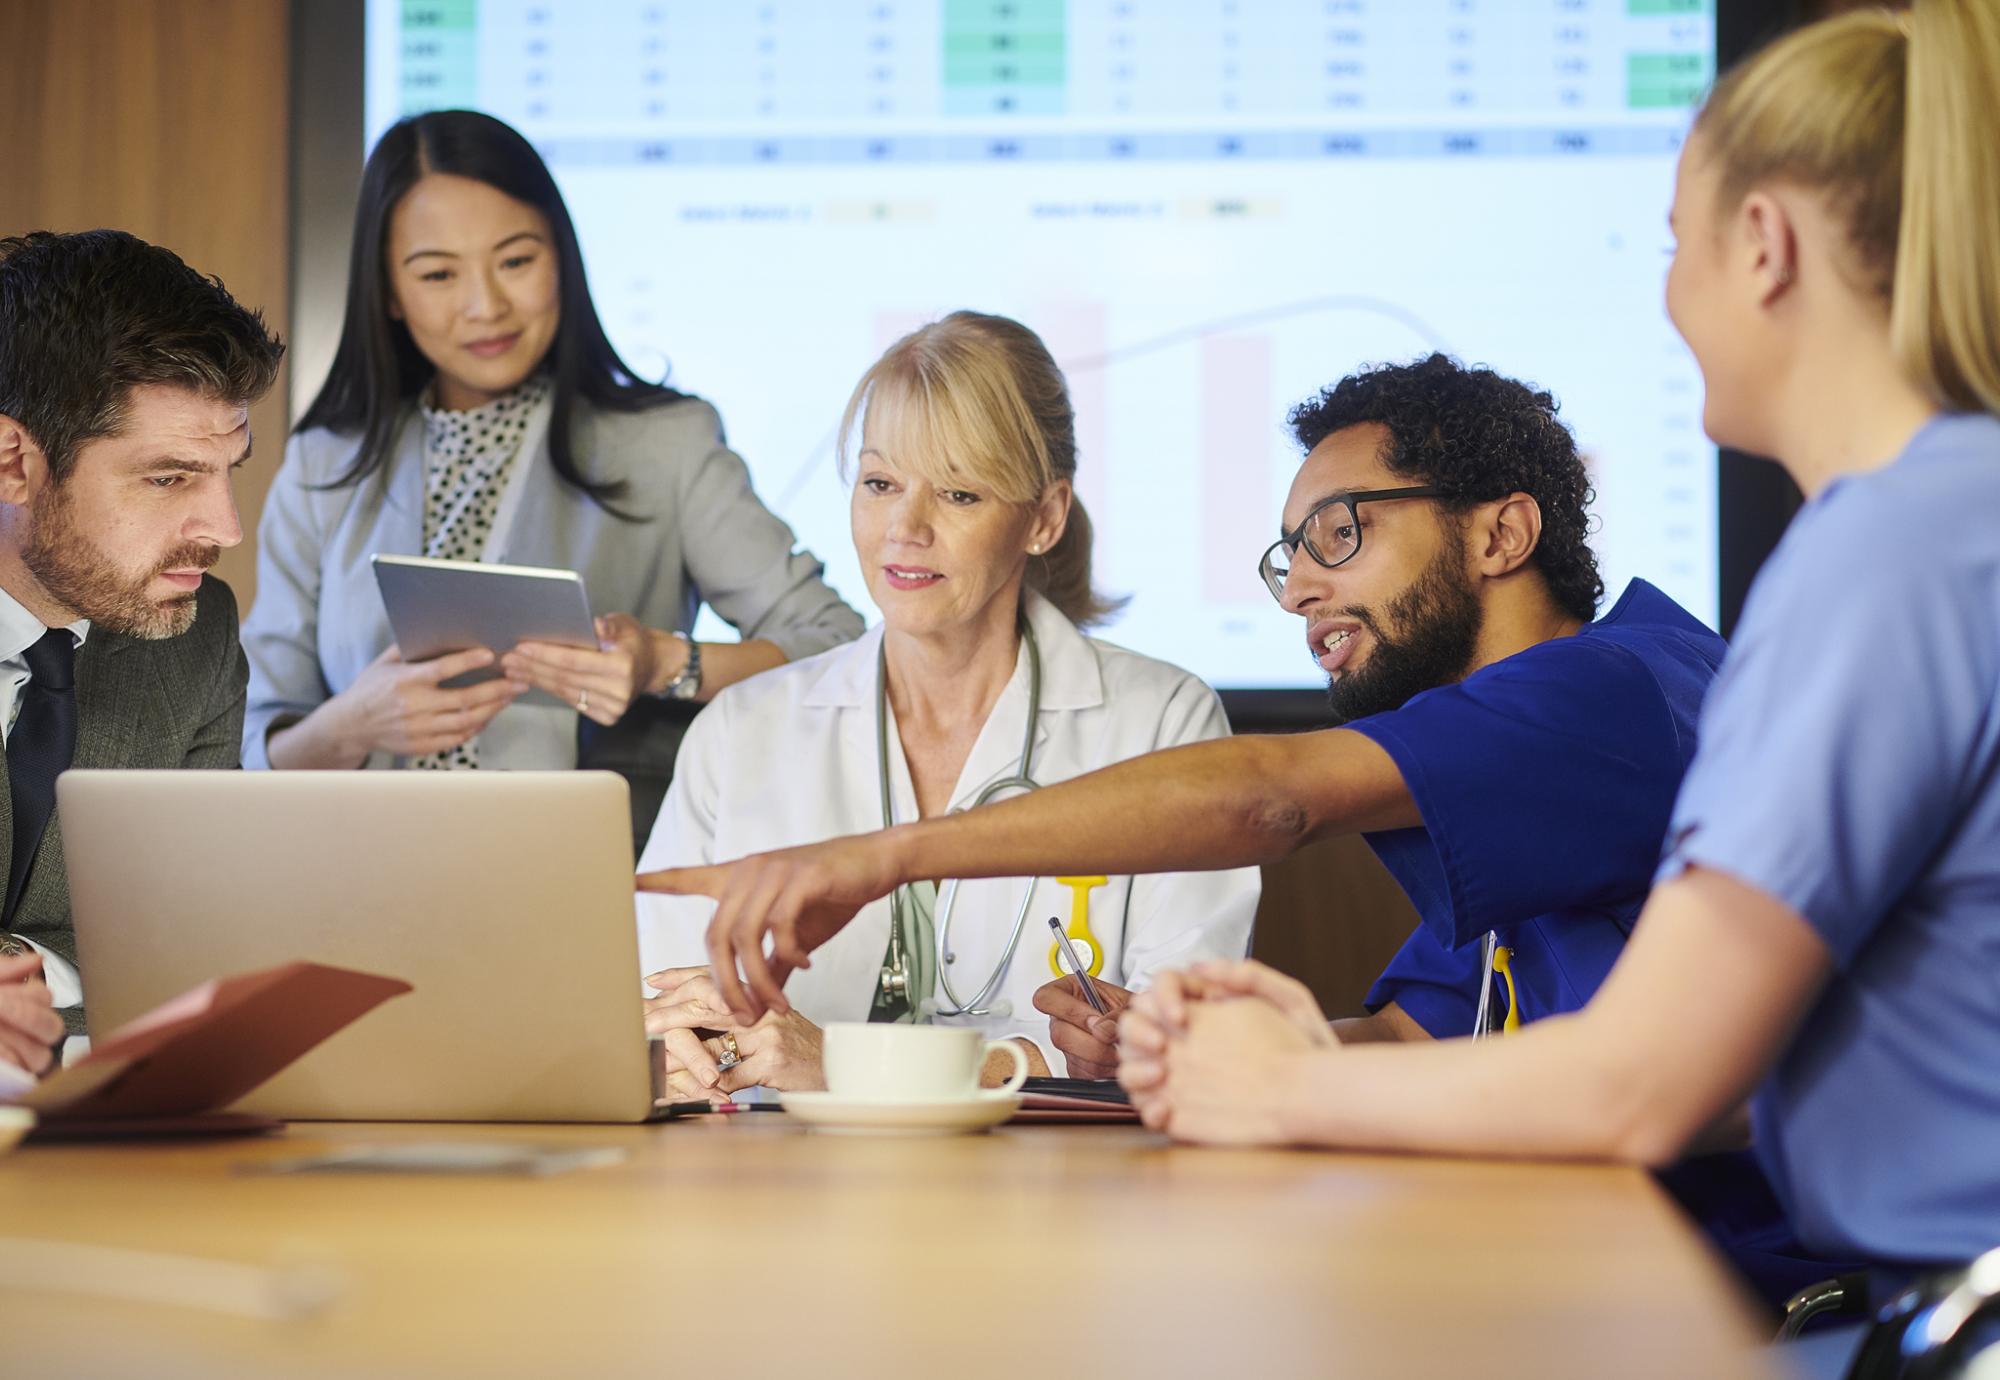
<point x="504" y="897"/>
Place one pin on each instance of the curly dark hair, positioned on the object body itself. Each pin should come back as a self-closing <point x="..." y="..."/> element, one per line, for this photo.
<point x="1478" y="436"/>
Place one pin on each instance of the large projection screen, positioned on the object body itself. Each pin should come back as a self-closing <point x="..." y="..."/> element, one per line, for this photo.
<point x="1209" y="209"/>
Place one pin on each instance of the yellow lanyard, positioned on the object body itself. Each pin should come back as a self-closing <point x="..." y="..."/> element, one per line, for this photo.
<point x="1503" y="959"/>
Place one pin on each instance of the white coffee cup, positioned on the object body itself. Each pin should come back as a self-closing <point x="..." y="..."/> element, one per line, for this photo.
<point x="885" y="1062"/>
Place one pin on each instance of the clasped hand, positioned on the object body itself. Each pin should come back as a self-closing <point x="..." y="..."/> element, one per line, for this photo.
<point x="781" y="1050"/>
<point x="1212" y="1054"/>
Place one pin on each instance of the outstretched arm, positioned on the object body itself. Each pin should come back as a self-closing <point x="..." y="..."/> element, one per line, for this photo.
<point x="1233" y="802"/>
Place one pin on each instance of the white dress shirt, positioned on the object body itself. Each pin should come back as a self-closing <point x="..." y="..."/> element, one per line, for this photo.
<point x="20" y="630"/>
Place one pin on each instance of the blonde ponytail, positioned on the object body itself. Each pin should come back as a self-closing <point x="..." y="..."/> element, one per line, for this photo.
<point x="1942" y="321"/>
<point x="1893" y="118"/>
<point x="1062" y="574"/>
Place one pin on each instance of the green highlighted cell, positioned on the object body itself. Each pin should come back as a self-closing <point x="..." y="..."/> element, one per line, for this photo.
<point x="1670" y="7"/>
<point x="1003" y="43"/>
<point x="960" y="15"/>
<point x="439" y="16"/>
<point x="1665" y="97"/>
<point x="1005" y="71"/>
<point x="1658" y="81"/>
<point x="1649" y="67"/>
<point x="440" y="52"/>
<point x="1005" y="57"/>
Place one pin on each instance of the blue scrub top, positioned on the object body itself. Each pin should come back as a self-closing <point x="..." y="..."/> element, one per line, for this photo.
<point x="1545" y="782"/>
<point x="1850" y="768"/>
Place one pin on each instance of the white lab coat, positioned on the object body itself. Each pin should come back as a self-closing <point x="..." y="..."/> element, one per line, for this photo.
<point x="789" y="757"/>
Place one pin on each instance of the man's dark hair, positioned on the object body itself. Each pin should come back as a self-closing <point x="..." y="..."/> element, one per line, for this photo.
<point x="85" y="318"/>
<point x="1477" y="436"/>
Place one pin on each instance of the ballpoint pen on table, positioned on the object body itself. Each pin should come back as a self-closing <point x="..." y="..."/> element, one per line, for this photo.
<point x="1076" y="966"/>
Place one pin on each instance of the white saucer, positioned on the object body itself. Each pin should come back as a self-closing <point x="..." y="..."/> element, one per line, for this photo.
<point x="855" y="1116"/>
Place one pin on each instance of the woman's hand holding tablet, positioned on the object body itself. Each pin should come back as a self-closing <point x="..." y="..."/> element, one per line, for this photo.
<point x="629" y="660"/>
<point x="405" y="708"/>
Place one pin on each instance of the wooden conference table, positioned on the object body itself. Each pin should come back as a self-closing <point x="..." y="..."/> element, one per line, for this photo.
<point x="741" y="1246"/>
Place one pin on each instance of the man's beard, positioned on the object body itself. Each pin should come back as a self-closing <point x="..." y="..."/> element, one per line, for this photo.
<point x="1436" y="623"/>
<point x="76" y="572"/>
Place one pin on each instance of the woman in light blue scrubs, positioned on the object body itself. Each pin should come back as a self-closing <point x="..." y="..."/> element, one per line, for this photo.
<point x="1824" y="937"/>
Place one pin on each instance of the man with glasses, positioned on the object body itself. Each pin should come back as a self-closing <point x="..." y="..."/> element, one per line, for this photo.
<point x="1512" y="761"/>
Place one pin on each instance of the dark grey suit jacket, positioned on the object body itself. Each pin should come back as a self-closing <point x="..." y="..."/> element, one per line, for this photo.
<point x="177" y="702"/>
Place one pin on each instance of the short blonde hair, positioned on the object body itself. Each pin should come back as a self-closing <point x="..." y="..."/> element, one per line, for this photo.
<point x="978" y="400"/>
<point x="1895" y="118"/>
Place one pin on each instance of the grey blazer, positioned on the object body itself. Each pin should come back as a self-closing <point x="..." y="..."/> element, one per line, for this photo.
<point x="175" y="702"/>
<point x="318" y="620"/>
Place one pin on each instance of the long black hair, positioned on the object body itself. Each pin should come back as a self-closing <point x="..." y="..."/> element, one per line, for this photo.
<point x="378" y="368"/>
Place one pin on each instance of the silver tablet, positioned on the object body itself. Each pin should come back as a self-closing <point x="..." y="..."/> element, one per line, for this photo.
<point x="438" y="607"/>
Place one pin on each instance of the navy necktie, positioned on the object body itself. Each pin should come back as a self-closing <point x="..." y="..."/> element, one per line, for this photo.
<point x="39" y="750"/>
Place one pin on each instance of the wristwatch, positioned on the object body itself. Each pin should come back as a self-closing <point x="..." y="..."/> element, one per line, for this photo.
<point x="687" y="684"/>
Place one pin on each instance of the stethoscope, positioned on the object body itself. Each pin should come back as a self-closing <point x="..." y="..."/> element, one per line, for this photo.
<point x="896" y="972"/>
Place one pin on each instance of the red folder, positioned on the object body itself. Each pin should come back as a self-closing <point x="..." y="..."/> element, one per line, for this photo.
<point x="206" y="1048"/>
<point x="1056" y="1107"/>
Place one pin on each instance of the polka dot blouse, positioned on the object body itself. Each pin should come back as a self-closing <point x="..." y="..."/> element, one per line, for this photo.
<point x="468" y="458"/>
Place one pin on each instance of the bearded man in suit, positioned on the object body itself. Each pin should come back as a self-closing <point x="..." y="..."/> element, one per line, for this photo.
<point x="126" y="380"/>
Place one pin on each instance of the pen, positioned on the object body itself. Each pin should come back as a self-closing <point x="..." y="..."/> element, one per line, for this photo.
<point x="1076" y="966"/>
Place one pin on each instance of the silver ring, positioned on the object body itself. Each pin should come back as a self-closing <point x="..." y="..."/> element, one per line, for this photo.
<point x="731" y="1056"/>
<point x="583" y="702"/>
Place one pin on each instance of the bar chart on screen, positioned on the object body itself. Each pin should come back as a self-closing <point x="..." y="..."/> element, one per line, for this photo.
<point x="1209" y="209"/>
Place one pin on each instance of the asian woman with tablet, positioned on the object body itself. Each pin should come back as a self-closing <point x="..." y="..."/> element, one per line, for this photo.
<point x="476" y="411"/>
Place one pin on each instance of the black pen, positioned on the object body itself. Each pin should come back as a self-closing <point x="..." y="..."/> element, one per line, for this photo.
<point x="1075" y="966"/>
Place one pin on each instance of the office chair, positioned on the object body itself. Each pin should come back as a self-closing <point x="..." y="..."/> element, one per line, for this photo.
<point x="641" y="747"/>
<point x="1843" y="1296"/>
<point x="1943" y="1327"/>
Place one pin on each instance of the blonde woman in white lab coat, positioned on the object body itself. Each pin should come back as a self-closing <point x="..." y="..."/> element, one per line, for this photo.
<point x="978" y="554"/>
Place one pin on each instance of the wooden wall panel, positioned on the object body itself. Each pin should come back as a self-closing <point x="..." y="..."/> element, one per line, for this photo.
<point x="1332" y="917"/>
<point x="167" y="118"/>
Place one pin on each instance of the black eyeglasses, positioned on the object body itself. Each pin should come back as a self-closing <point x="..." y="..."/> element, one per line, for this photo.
<point x="1330" y="534"/>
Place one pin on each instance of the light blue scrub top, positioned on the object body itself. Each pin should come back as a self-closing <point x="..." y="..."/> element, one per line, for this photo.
<point x="1849" y="766"/>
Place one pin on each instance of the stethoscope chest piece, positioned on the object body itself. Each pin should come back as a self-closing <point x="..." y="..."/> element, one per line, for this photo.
<point x="895" y="978"/>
